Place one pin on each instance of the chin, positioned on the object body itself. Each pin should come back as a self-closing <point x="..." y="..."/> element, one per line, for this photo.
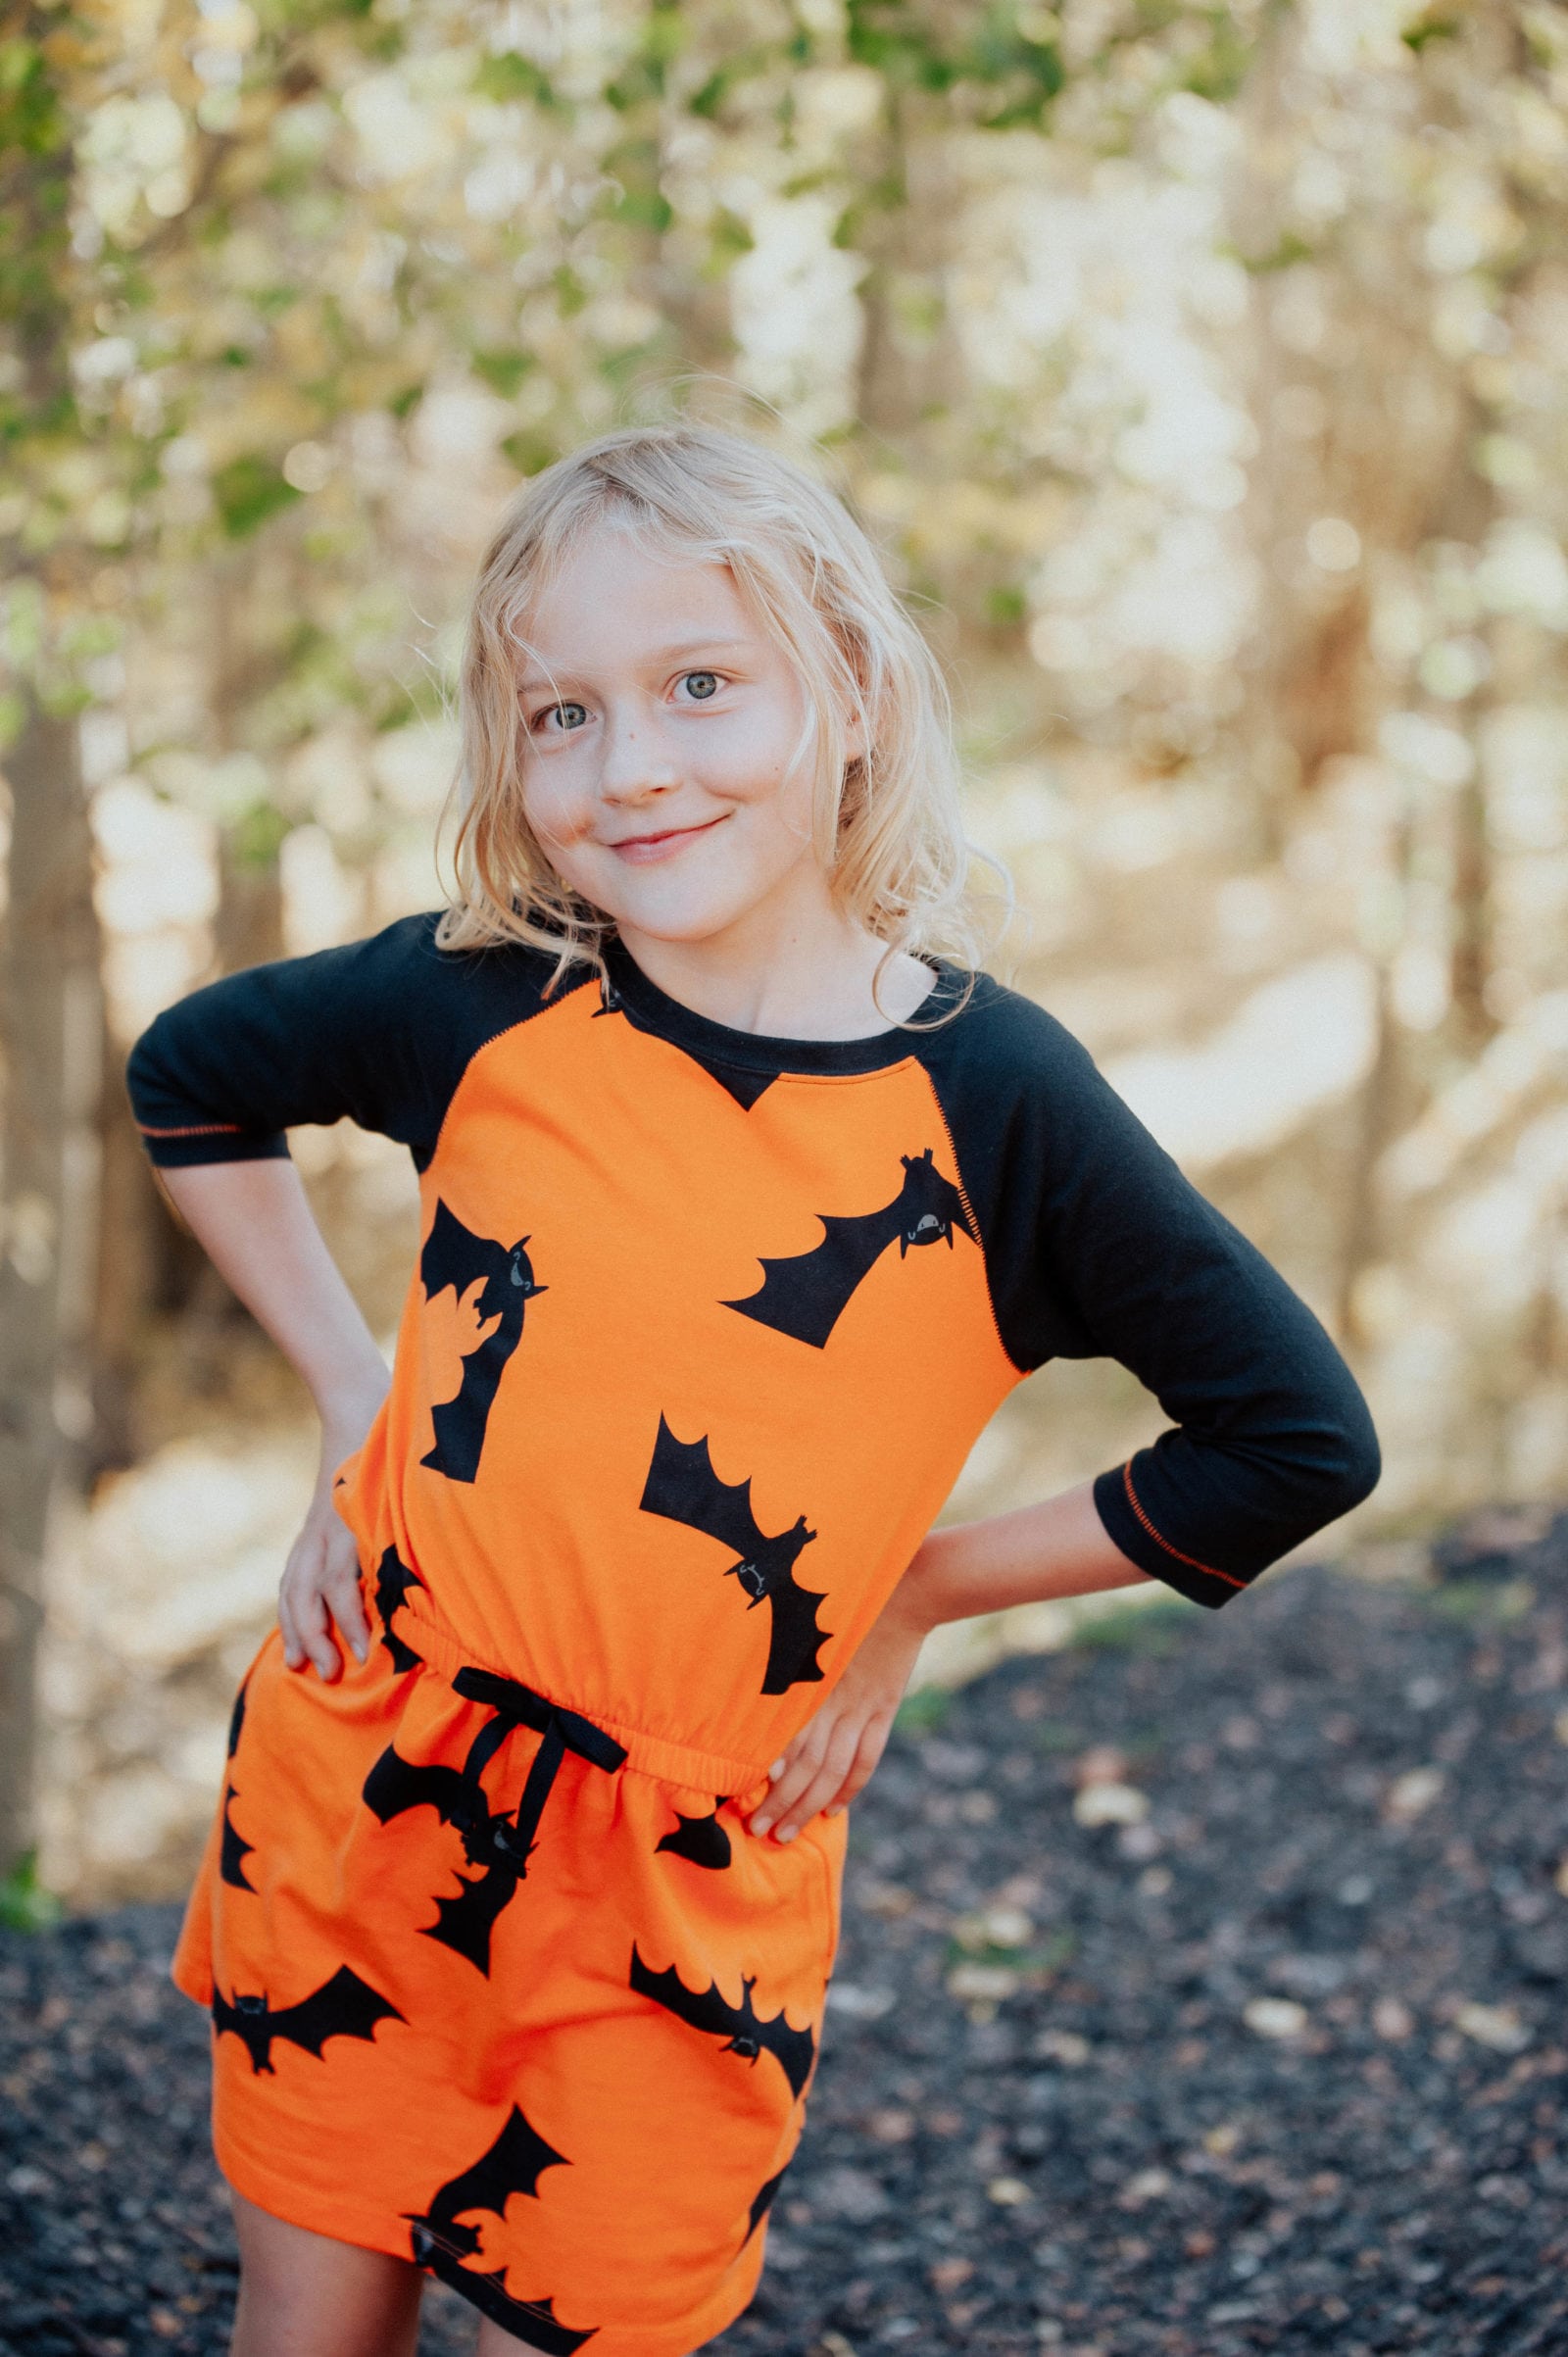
<point x="670" y="908"/>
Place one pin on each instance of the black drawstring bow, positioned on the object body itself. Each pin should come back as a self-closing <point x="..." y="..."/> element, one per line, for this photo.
<point x="563" y="1730"/>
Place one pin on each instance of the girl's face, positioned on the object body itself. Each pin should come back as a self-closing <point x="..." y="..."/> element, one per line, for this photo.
<point x="657" y="719"/>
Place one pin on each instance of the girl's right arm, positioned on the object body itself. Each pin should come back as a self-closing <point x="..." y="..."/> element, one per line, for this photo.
<point x="255" y="1223"/>
<point x="377" y="1031"/>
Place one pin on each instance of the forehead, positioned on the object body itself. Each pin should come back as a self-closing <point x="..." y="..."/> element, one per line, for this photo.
<point x="615" y="603"/>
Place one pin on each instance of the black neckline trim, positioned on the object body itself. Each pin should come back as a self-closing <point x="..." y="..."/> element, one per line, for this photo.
<point x="653" y="1009"/>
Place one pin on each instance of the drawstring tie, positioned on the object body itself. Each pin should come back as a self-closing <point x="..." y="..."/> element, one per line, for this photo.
<point x="563" y="1730"/>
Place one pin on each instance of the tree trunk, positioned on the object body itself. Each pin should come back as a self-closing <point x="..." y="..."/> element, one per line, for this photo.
<point x="51" y="1021"/>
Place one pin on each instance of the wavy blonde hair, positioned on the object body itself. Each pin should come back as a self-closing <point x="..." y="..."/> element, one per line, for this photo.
<point x="886" y="823"/>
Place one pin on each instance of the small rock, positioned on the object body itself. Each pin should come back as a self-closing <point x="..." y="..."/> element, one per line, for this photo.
<point x="1275" y="2016"/>
<point x="1393" y="2019"/>
<point x="1495" y="2026"/>
<point x="859" y="2002"/>
<point x="983" y="1983"/>
<point x="1110" y="1805"/>
<point x="1062" y="2045"/>
<point x="1412" y="1793"/>
<point x="851" y="2193"/>
<point x="1008" y="2192"/>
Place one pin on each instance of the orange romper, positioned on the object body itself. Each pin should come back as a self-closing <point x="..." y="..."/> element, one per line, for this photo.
<point x="701" y="1329"/>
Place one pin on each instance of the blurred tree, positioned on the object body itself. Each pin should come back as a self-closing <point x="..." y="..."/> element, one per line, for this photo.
<point x="50" y="999"/>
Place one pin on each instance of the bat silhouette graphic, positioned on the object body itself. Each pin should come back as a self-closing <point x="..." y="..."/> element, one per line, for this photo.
<point x="464" y="1923"/>
<point x="455" y="1256"/>
<point x="236" y="1718"/>
<point x="440" y="2241"/>
<point x="393" y="1579"/>
<point x="682" y="1487"/>
<point x="703" y="1840"/>
<point x="805" y="1295"/>
<point x="762" y="2204"/>
<point x="343" y="2007"/>
<point x="235" y="1849"/>
<point x="740" y="2026"/>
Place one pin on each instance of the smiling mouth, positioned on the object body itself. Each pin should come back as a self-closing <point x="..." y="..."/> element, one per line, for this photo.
<point x="643" y="850"/>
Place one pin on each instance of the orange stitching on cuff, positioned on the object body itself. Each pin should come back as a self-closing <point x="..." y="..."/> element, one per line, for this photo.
<point x="197" y="1129"/>
<point x="1131" y="1501"/>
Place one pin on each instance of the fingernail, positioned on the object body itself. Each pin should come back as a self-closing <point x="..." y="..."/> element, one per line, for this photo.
<point x="761" y="1826"/>
<point x="776" y="1770"/>
<point x="833" y="1812"/>
<point x="786" y="1832"/>
<point x="362" y="1652"/>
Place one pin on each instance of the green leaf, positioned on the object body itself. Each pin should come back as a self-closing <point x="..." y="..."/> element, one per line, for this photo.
<point x="24" y="1904"/>
<point x="502" y="370"/>
<point x="530" y="452"/>
<point x="256" y="836"/>
<point x="512" y="76"/>
<point x="249" y="490"/>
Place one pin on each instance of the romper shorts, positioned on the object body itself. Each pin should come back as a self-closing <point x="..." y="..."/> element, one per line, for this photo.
<point x="508" y="1993"/>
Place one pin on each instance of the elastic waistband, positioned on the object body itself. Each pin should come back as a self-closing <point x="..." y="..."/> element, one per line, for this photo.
<point x="707" y="1772"/>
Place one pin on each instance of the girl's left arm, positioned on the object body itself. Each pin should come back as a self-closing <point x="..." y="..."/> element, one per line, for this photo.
<point x="1097" y="1246"/>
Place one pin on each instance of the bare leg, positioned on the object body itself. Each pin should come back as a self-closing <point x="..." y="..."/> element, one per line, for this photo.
<point x="305" y="2295"/>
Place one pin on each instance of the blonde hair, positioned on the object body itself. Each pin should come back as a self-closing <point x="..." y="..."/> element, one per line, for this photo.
<point x="886" y="823"/>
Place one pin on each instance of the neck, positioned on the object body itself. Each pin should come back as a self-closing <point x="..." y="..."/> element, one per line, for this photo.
<point x="797" y="966"/>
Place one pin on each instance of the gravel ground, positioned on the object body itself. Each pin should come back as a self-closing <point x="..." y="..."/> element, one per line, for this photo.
<point x="1202" y="1992"/>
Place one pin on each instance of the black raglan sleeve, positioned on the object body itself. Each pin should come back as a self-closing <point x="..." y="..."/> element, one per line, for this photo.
<point x="1097" y="1247"/>
<point x="378" y="1030"/>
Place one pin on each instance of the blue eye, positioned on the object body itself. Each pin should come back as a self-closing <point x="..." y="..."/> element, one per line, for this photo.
<point x="566" y="717"/>
<point x="702" y="684"/>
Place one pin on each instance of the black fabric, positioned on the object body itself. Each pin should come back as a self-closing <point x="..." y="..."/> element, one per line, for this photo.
<point x="1095" y="1243"/>
<point x="380" y="1030"/>
<point x="1097" y="1247"/>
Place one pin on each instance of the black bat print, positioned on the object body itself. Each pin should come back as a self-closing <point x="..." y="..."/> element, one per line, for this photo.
<point x="236" y="1719"/>
<point x="805" y="1295"/>
<point x="762" y="2204"/>
<point x="683" y="1486"/>
<point x="343" y="2007"/>
<point x="235" y="1851"/>
<point x="454" y="1255"/>
<point x="702" y="1839"/>
<point x="440" y="2241"/>
<point x="393" y="1579"/>
<point x="501" y="1845"/>
<point x="741" y="2028"/>
<point x="464" y="1923"/>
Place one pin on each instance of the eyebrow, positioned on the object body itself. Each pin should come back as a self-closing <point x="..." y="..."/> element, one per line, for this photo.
<point x="532" y="682"/>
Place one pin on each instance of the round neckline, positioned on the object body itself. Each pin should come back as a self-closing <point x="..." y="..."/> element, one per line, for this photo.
<point x="653" y="1009"/>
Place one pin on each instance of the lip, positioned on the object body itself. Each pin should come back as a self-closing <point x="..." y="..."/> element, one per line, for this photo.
<point x="645" y="851"/>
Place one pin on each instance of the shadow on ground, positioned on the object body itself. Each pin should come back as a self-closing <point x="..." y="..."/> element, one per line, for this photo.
<point x="1202" y="1992"/>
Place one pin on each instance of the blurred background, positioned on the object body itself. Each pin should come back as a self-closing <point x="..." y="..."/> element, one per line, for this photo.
<point x="1204" y="375"/>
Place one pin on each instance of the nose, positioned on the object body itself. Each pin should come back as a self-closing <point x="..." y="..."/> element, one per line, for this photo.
<point x="637" y="759"/>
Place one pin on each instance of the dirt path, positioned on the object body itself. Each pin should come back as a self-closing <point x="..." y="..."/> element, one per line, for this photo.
<point x="1202" y="1992"/>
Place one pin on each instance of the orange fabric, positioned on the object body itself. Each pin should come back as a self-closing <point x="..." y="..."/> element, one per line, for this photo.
<point x="642" y="2232"/>
<point x="605" y="1476"/>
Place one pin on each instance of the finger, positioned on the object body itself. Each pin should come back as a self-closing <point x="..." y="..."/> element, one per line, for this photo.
<point x="293" y="1650"/>
<point x="824" y="1785"/>
<point x="821" y="1788"/>
<point x="317" y="1637"/>
<point x="347" y="1607"/>
<point x="800" y="1764"/>
<point x="873" y="1742"/>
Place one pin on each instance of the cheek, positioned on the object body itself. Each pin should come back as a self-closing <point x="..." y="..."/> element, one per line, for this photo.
<point x="559" y="809"/>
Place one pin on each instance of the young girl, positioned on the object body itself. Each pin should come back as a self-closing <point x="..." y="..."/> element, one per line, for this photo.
<point x="743" y="1208"/>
